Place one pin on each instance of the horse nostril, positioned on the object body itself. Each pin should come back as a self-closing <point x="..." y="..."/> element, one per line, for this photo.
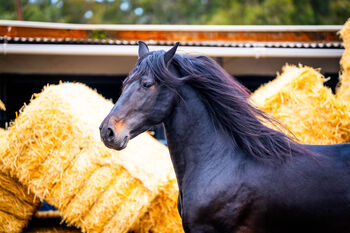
<point x="110" y="134"/>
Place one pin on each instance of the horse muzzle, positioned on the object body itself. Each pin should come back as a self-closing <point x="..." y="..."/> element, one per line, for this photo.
<point x="114" y="134"/>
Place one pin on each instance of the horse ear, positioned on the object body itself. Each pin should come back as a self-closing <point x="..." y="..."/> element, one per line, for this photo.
<point x="170" y="54"/>
<point x="143" y="48"/>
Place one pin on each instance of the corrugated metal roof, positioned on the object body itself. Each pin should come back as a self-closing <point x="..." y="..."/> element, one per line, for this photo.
<point x="189" y="35"/>
<point x="131" y="50"/>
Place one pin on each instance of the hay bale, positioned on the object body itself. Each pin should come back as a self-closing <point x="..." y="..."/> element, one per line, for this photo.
<point x="55" y="149"/>
<point x="345" y="34"/>
<point x="2" y="106"/>
<point x="343" y="91"/>
<point x="299" y="100"/>
<point x="164" y="205"/>
<point x="17" y="204"/>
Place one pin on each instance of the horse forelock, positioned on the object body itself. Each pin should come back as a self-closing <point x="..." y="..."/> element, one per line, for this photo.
<point x="227" y="103"/>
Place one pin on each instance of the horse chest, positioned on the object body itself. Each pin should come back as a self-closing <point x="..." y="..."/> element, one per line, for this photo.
<point x="215" y="204"/>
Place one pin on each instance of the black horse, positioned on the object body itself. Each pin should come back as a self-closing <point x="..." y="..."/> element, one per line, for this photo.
<point x="234" y="173"/>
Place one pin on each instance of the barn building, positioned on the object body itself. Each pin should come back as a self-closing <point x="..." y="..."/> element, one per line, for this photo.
<point x="33" y="54"/>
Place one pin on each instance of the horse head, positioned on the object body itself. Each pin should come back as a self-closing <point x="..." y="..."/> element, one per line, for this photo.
<point x="144" y="101"/>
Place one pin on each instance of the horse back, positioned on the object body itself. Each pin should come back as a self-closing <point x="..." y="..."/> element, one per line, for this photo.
<point x="339" y="151"/>
<point x="309" y="193"/>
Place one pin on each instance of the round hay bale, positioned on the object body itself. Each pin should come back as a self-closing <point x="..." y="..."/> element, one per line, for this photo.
<point x="55" y="149"/>
<point x="343" y="91"/>
<point x="165" y="205"/>
<point x="301" y="102"/>
<point x="17" y="204"/>
<point x="345" y="34"/>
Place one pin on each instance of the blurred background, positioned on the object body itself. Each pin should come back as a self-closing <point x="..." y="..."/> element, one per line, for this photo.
<point x="224" y="12"/>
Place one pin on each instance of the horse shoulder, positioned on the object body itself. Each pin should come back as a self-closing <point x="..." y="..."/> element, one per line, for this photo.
<point x="223" y="201"/>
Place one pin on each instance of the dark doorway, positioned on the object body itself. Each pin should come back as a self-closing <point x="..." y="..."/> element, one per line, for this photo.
<point x="17" y="89"/>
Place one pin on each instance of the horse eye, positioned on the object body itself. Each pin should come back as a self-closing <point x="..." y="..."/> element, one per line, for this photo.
<point x="147" y="84"/>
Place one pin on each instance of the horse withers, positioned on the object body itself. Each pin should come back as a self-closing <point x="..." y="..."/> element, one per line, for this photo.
<point x="234" y="173"/>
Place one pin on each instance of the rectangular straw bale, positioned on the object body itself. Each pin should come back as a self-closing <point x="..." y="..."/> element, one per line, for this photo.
<point x="299" y="99"/>
<point x="345" y="34"/>
<point x="11" y="223"/>
<point x="109" y="203"/>
<point x="55" y="149"/>
<point x="345" y="62"/>
<point x="165" y="205"/>
<point x="138" y="200"/>
<point x="34" y="138"/>
<point x="11" y="185"/>
<point x="17" y="204"/>
<point x="343" y="91"/>
<point x="74" y="179"/>
<point x="11" y="204"/>
<point x="84" y="199"/>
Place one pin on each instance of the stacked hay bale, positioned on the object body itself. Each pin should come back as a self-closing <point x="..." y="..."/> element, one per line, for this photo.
<point x="17" y="205"/>
<point x="343" y="91"/>
<point x="55" y="149"/>
<point x="299" y="99"/>
<point x="164" y="205"/>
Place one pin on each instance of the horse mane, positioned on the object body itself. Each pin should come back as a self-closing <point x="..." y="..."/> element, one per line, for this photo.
<point x="227" y="103"/>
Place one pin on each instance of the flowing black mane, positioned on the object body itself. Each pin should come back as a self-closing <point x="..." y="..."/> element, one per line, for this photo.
<point x="226" y="101"/>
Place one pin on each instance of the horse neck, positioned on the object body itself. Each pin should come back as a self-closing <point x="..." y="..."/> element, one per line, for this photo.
<point x="193" y="140"/>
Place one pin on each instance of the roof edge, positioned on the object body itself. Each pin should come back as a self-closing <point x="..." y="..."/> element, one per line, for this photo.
<point x="161" y="27"/>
